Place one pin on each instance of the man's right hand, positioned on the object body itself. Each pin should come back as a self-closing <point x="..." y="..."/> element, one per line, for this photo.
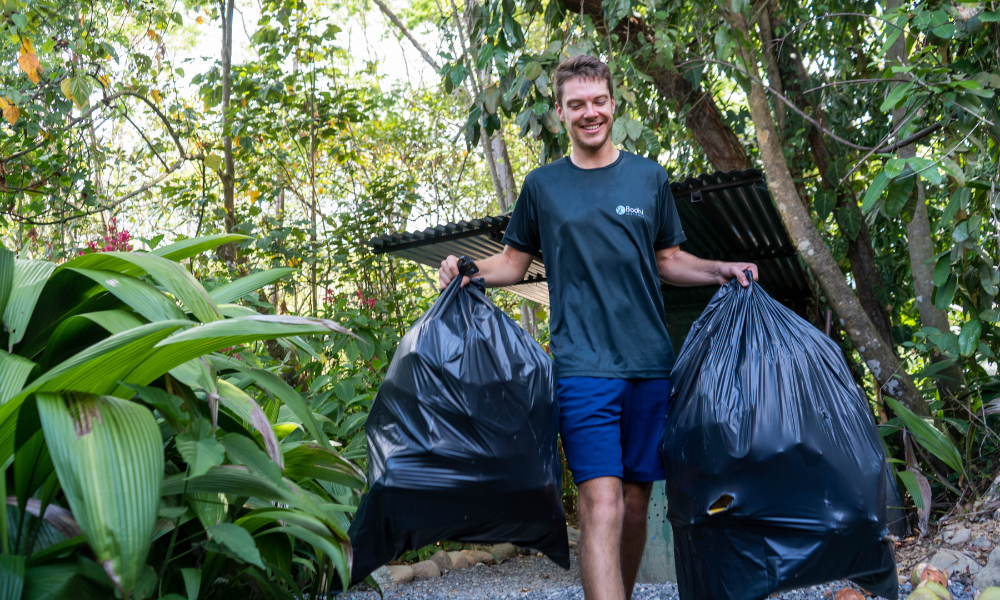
<point x="449" y="271"/>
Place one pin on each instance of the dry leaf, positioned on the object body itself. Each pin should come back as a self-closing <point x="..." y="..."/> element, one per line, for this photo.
<point x="151" y="35"/>
<point x="11" y="113"/>
<point x="156" y="96"/>
<point x="64" y="86"/>
<point x="199" y="20"/>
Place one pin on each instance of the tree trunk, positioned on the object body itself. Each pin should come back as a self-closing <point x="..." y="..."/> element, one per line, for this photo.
<point x="228" y="252"/>
<point x="884" y="365"/>
<point x="704" y="120"/>
<point x="860" y="251"/>
<point x="920" y="244"/>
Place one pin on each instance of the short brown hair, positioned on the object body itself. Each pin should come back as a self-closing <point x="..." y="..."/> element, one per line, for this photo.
<point x="581" y="66"/>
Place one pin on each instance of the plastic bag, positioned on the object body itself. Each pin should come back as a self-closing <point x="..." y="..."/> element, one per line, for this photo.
<point x="462" y="438"/>
<point x="776" y="476"/>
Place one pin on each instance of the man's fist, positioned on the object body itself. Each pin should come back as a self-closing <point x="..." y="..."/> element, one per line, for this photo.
<point x="449" y="271"/>
<point x="734" y="269"/>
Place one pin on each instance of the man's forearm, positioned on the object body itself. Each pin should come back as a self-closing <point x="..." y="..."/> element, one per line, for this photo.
<point x="499" y="270"/>
<point x="686" y="270"/>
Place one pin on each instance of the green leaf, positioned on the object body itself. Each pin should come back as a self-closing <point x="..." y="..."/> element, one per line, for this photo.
<point x="491" y="98"/>
<point x="944" y="294"/>
<point x="618" y="132"/>
<point x="11" y="576"/>
<point x="14" y="371"/>
<point x="899" y="193"/>
<point x="195" y="246"/>
<point x="942" y="270"/>
<point x="199" y="448"/>
<point x="849" y="220"/>
<point x="234" y="290"/>
<point x="532" y="70"/>
<point x="80" y="89"/>
<point x="910" y="481"/>
<point x="896" y="97"/>
<point x="934" y="368"/>
<point x="968" y="339"/>
<point x="29" y="280"/>
<point x="927" y="436"/>
<point x="7" y="259"/>
<point x="242" y="450"/>
<point x="137" y="294"/>
<point x="824" y="202"/>
<point x="80" y="330"/>
<point x="238" y="541"/>
<point x="874" y="192"/>
<point x="230" y="480"/>
<point x="335" y="550"/>
<point x="231" y="397"/>
<point x="213" y="162"/>
<point x="108" y="455"/>
<point x="633" y="128"/>
<point x="989" y="17"/>
<point x="314" y="462"/>
<point x="192" y="582"/>
<point x="175" y="278"/>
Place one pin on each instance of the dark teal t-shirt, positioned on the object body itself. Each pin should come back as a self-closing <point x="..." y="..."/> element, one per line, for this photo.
<point x="598" y="231"/>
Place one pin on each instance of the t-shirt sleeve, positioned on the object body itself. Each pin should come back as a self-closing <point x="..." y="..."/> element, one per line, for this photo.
<point x="671" y="233"/>
<point x="522" y="230"/>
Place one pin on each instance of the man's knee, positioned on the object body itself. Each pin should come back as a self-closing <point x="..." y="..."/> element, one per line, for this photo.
<point x="601" y="501"/>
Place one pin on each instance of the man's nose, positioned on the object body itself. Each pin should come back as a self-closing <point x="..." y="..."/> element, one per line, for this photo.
<point x="591" y="111"/>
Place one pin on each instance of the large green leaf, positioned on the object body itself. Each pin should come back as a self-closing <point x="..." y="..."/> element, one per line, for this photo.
<point x="77" y="332"/>
<point x="274" y="385"/>
<point x="108" y="454"/>
<point x="238" y="541"/>
<point x="137" y="294"/>
<point x="172" y="276"/>
<point x="232" y="480"/>
<point x="928" y="436"/>
<point x="874" y="191"/>
<point x="29" y="279"/>
<point x="6" y="277"/>
<point x="968" y="339"/>
<point x="233" y="291"/>
<point x="95" y="370"/>
<point x="11" y="576"/>
<point x="944" y="294"/>
<point x="199" y="448"/>
<point x="315" y="462"/>
<point x="238" y="401"/>
<point x="338" y="551"/>
<point x="194" y="246"/>
<point x="14" y="371"/>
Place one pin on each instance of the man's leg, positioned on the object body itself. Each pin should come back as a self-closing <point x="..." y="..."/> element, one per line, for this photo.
<point x="602" y="508"/>
<point x="634" y="531"/>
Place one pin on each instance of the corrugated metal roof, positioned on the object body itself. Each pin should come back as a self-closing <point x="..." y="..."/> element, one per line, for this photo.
<point x="726" y="216"/>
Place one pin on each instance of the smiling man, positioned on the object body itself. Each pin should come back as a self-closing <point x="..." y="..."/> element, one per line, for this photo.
<point x="605" y="222"/>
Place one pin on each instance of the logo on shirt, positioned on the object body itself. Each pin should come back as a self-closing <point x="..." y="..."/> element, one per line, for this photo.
<point x="628" y="210"/>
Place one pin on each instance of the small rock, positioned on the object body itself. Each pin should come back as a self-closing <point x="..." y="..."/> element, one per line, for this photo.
<point x="425" y="569"/>
<point x="503" y="552"/>
<point x="478" y="556"/>
<point x="982" y="542"/>
<point x="954" y="562"/>
<point x="442" y="560"/>
<point x="990" y="574"/>
<point x="401" y="574"/>
<point x="961" y="536"/>
<point x="573" y="544"/>
<point x="459" y="560"/>
<point x="849" y="594"/>
<point x="383" y="577"/>
<point x="573" y="534"/>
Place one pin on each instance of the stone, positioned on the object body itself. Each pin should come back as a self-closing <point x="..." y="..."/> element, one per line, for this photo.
<point x="383" y="577"/>
<point x="478" y="556"/>
<point x="574" y="544"/>
<point x="960" y="537"/>
<point x="954" y="562"/>
<point x="983" y="543"/>
<point x="990" y="574"/>
<point x="503" y="552"/>
<point x="425" y="569"/>
<point x="573" y="534"/>
<point x="442" y="560"/>
<point x="401" y="574"/>
<point x="459" y="560"/>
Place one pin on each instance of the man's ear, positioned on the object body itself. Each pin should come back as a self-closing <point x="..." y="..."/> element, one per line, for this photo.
<point x="559" y="111"/>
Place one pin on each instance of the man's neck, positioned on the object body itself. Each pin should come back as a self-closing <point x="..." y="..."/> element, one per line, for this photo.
<point x="602" y="157"/>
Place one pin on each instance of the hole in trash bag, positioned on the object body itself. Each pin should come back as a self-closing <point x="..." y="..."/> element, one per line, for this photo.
<point x="721" y="505"/>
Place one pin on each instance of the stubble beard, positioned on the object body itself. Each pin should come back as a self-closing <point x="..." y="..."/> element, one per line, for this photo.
<point x="591" y="146"/>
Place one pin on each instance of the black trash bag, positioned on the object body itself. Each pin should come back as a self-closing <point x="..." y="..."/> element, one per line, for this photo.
<point x="776" y="476"/>
<point x="462" y="438"/>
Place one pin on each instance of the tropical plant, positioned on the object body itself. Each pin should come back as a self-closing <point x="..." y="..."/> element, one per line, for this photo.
<point x="143" y="461"/>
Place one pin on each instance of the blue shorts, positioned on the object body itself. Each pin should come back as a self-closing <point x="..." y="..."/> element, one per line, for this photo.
<point x="612" y="427"/>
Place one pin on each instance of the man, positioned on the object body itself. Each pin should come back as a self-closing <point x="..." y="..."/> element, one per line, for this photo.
<point x="606" y="224"/>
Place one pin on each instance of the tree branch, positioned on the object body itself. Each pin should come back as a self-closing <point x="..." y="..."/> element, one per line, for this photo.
<point x="402" y="28"/>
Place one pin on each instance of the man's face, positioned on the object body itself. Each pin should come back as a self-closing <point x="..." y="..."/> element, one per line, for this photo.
<point x="587" y="109"/>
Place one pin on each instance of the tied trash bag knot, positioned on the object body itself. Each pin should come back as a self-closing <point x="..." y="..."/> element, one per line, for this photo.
<point x="462" y="438"/>
<point x="776" y="476"/>
<point x="468" y="268"/>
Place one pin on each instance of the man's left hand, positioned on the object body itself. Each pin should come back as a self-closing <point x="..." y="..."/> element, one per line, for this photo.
<point x="735" y="269"/>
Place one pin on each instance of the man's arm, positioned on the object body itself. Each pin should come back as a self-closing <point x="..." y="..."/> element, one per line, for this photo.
<point x="502" y="269"/>
<point x="679" y="268"/>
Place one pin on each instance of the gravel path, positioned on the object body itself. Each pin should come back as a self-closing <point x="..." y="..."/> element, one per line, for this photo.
<point x="534" y="578"/>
